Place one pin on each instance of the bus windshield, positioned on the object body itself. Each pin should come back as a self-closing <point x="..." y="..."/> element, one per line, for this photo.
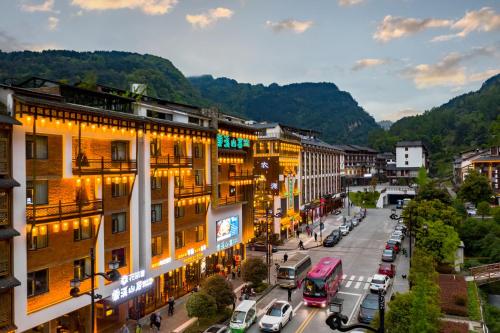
<point x="314" y="288"/>
<point x="286" y="273"/>
<point x="238" y="317"/>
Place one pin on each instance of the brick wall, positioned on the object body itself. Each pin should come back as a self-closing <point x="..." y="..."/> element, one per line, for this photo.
<point x="52" y="166"/>
<point x="93" y="148"/>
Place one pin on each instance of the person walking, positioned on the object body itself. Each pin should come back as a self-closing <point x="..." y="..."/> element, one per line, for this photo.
<point x="158" y="322"/>
<point x="138" y="328"/>
<point x="285" y="257"/>
<point x="297" y="232"/>
<point x="171" y="303"/>
<point x="315" y="237"/>
<point x="289" y="294"/>
<point x="152" y="320"/>
<point x="124" y="328"/>
<point x="301" y="245"/>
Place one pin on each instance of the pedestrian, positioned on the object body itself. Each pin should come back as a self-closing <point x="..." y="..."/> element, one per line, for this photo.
<point x="239" y="271"/>
<point x="301" y="245"/>
<point x="308" y="230"/>
<point x="233" y="273"/>
<point x="152" y="320"/>
<point x="289" y="294"/>
<point x="285" y="257"/>
<point x="158" y="322"/>
<point x="171" y="306"/>
<point x="124" y="328"/>
<point x="315" y="237"/>
<point x="298" y="232"/>
<point x="138" y="328"/>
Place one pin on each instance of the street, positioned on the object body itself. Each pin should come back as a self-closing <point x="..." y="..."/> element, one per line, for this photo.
<point x="360" y="252"/>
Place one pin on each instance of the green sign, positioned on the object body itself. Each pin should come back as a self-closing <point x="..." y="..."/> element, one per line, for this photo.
<point x="226" y="141"/>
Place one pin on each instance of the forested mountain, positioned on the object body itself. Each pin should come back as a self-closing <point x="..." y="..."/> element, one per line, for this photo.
<point x="320" y="106"/>
<point x="467" y="121"/>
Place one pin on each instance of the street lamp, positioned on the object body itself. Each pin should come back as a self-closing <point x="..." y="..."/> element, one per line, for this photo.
<point x="269" y="212"/>
<point x="113" y="275"/>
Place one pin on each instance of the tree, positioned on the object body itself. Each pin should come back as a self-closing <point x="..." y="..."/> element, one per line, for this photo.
<point x="476" y="188"/>
<point x="430" y="210"/>
<point x="397" y="319"/>
<point x="254" y="270"/>
<point x="431" y="191"/>
<point x="422" y="178"/>
<point x="425" y="310"/>
<point x="220" y="289"/>
<point x="483" y="208"/>
<point x="440" y="240"/>
<point x="373" y="183"/>
<point x="201" y="305"/>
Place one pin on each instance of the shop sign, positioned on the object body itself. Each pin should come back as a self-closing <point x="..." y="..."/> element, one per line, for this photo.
<point x="226" y="141"/>
<point x="194" y="258"/>
<point x="227" y="243"/>
<point x="131" y="285"/>
<point x="162" y="262"/>
<point x="227" y="228"/>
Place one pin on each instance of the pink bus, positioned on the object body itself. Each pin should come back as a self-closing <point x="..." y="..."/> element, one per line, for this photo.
<point x="323" y="282"/>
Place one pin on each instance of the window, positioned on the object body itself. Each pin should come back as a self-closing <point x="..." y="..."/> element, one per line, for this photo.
<point x="40" y="189"/>
<point x="156" y="249"/>
<point x="119" y="189"/>
<point x="406" y="155"/>
<point x="199" y="208"/>
<point x="155" y="213"/>
<point x="119" y="255"/>
<point x="179" y="239"/>
<point x="198" y="177"/>
<point x="39" y="241"/>
<point x="232" y="169"/>
<point x="406" y="162"/>
<point x="232" y="190"/>
<point x="198" y="150"/>
<point x="42" y="150"/>
<point x="119" y="222"/>
<point x="178" y="149"/>
<point x="194" y="120"/>
<point x="82" y="268"/>
<point x="406" y="148"/>
<point x="179" y="182"/>
<point x="38" y="282"/>
<point x="156" y="183"/>
<point x="179" y="211"/>
<point x="200" y="233"/>
<point x="119" y="150"/>
<point x="159" y="115"/>
<point x="83" y="232"/>
<point x="155" y="147"/>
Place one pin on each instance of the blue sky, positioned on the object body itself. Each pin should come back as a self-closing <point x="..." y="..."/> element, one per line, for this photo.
<point x="396" y="57"/>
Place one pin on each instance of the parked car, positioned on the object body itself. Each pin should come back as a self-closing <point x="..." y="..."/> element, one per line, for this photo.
<point x="261" y="246"/>
<point x="398" y="233"/>
<point x="349" y="224"/>
<point x="388" y="255"/>
<point x="394" y="245"/>
<point x="217" y="329"/>
<point x="332" y="239"/>
<point x="471" y="210"/>
<point x="387" y="269"/>
<point x="277" y="316"/>
<point x="355" y="221"/>
<point x="368" y="308"/>
<point x="401" y="227"/>
<point x="244" y="316"/>
<point x="380" y="281"/>
<point x="344" y="229"/>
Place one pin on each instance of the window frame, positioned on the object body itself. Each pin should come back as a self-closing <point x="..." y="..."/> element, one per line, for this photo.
<point x="198" y="150"/>
<point x="198" y="177"/>
<point x="30" y="141"/>
<point x="79" y="235"/>
<point x="121" y="188"/>
<point x="122" y="261"/>
<point x="156" y="247"/>
<point x="33" y="282"/>
<point x="115" y="226"/>
<point x="30" y="191"/>
<point x="180" y="211"/>
<point x="115" y="151"/>
<point x="38" y="245"/>
<point x="183" y="239"/>
<point x="199" y="232"/>
<point x="86" y="268"/>
<point x="156" y="182"/>
<point x="157" y="218"/>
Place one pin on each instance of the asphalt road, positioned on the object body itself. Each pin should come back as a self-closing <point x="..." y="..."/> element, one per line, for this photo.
<point x="360" y="252"/>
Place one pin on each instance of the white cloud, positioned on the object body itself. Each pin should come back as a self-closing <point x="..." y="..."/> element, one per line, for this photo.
<point x="53" y="23"/>
<point x="485" y="19"/>
<point x="292" y="25"/>
<point x="10" y="44"/>
<point x="368" y="62"/>
<point x="398" y="27"/>
<point x="483" y="76"/>
<point x="45" y="6"/>
<point x="345" y="3"/>
<point x="206" y="19"/>
<point x="401" y="114"/>
<point x="150" y="7"/>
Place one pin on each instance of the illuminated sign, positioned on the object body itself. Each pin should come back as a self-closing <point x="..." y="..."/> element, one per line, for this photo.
<point x="162" y="262"/>
<point x="264" y="165"/>
<point x="131" y="285"/>
<point x="225" y="244"/>
<point x="194" y="258"/>
<point x="274" y="186"/>
<point x="226" y="141"/>
<point x="227" y="228"/>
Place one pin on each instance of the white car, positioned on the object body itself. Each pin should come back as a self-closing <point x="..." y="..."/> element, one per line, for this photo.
<point x="398" y="233"/>
<point x="380" y="281"/>
<point x="471" y="211"/>
<point x="277" y="316"/>
<point x="344" y="229"/>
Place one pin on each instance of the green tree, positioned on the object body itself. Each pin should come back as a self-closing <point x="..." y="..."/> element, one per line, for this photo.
<point x="425" y="310"/>
<point x="431" y="191"/>
<point x="483" y="208"/>
<point x="201" y="305"/>
<point x="254" y="270"/>
<point x="475" y="188"/>
<point x="220" y="289"/>
<point x="422" y="178"/>
<point x="440" y="240"/>
<point x="430" y="210"/>
<point x="397" y="318"/>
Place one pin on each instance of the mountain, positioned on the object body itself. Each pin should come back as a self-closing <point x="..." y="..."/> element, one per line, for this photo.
<point x="468" y="121"/>
<point x="385" y="124"/>
<point x="319" y="106"/>
<point x="115" y="69"/>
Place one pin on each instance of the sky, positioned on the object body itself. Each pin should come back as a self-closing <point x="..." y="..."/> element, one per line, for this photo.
<point x="396" y="57"/>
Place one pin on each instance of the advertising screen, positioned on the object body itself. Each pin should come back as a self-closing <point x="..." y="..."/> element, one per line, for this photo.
<point x="227" y="228"/>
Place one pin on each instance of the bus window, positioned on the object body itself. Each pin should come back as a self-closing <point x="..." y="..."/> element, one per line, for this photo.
<point x="286" y="273"/>
<point x="314" y="288"/>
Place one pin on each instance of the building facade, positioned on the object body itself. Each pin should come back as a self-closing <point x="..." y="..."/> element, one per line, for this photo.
<point x="410" y="157"/>
<point x="135" y="179"/>
<point x="489" y="166"/>
<point x="385" y="164"/>
<point x="359" y="164"/>
<point x="463" y="163"/>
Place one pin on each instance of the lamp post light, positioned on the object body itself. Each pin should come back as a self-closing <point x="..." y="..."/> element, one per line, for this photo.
<point x="270" y="213"/>
<point x="113" y="275"/>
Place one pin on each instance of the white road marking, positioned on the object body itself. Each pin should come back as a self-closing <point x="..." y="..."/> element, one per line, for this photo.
<point x="355" y="308"/>
<point x="261" y="312"/>
<point x="346" y="293"/>
<point x="361" y="278"/>
<point x="348" y="284"/>
<point x="356" y="286"/>
<point x="352" y="277"/>
<point x="369" y="280"/>
<point x="297" y="307"/>
<point x="366" y="286"/>
<point x="344" y="276"/>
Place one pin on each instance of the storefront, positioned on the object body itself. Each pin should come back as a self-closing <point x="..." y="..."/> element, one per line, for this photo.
<point x="76" y="321"/>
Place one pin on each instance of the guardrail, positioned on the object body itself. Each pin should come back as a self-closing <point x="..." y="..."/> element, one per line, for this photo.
<point x="171" y="162"/>
<point x="62" y="211"/>
<point x="192" y="191"/>
<point x="230" y="200"/>
<point x="486" y="273"/>
<point x="106" y="166"/>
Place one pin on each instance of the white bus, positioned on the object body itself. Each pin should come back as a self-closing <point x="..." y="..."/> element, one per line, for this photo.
<point x="294" y="270"/>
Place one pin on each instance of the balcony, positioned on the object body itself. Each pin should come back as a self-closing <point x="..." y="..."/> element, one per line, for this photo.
<point x="171" y="162"/>
<point x="193" y="191"/>
<point x="231" y="200"/>
<point x="62" y="211"/>
<point x="243" y="174"/>
<point x="4" y="267"/>
<point x="103" y="166"/>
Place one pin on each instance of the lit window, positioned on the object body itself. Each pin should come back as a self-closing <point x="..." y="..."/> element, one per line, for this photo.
<point x="42" y="150"/>
<point x="179" y="239"/>
<point x="119" y="222"/>
<point x="119" y="255"/>
<point x="156" y="213"/>
<point x="38" y="282"/>
<point x="156" y="248"/>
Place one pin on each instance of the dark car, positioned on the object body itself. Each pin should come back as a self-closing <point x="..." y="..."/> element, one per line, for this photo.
<point x="368" y="308"/>
<point x="349" y="224"/>
<point x="261" y="246"/>
<point x="332" y="238"/>
<point x="393" y="244"/>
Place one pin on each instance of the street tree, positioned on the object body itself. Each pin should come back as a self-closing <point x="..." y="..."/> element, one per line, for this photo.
<point x="201" y="305"/>
<point x="220" y="289"/>
<point x="430" y="210"/>
<point x="254" y="270"/>
<point x="422" y="178"/>
<point x="475" y="188"/>
<point x="430" y="190"/>
<point x="483" y="208"/>
<point x="440" y="240"/>
<point x="397" y="319"/>
<point x="425" y="310"/>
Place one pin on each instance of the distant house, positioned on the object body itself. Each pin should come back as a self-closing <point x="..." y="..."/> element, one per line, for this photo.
<point x="384" y="162"/>
<point x="489" y="165"/>
<point x="410" y="157"/>
<point x="463" y="162"/>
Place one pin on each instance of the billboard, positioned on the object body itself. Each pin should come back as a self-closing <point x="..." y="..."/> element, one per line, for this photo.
<point x="227" y="228"/>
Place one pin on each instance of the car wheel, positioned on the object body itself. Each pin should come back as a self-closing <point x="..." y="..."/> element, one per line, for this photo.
<point x="291" y="316"/>
<point x="281" y="327"/>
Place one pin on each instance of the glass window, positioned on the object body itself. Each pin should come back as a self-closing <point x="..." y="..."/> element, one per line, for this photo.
<point x="199" y="208"/>
<point x="198" y="150"/>
<point x="155" y="147"/>
<point x="40" y="189"/>
<point x="119" y="189"/>
<point x="232" y="190"/>
<point x="119" y="255"/>
<point x="156" y="213"/>
<point x="39" y="241"/>
<point x="82" y="268"/>
<point x="156" y="248"/>
<point x="38" y="282"/>
<point x="406" y="162"/>
<point x="179" y="211"/>
<point x="119" y="222"/>
<point x="198" y="177"/>
<point x="156" y="183"/>
<point x="119" y="150"/>
<point x="179" y="239"/>
<point x="42" y="150"/>
<point x="178" y="149"/>
<point x="194" y="120"/>
<point x="200" y="233"/>
<point x="179" y="181"/>
<point x="84" y="231"/>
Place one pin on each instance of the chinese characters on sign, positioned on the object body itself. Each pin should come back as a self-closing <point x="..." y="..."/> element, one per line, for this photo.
<point x="130" y="285"/>
<point x="226" y="141"/>
<point x="274" y="186"/>
<point x="264" y="165"/>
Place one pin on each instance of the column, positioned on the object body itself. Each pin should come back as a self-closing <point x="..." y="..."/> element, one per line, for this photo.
<point x="144" y="182"/>
<point x="67" y="147"/>
<point x="171" y="216"/>
<point x="134" y="217"/>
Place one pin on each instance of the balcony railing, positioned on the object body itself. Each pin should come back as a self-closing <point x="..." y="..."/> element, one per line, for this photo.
<point x="103" y="166"/>
<point x="231" y="200"/>
<point x="192" y="191"/>
<point x="62" y="211"/>
<point x="243" y="174"/>
<point x="171" y="162"/>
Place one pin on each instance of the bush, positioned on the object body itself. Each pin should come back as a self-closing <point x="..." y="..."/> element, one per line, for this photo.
<point x="453" y="295"/>
<point x="460" y="300"/>
<point x="201" y="305"/>
<point x="204" y="323"/>
<point x="254" y="270"/>
<point x="453" y="327"/>
<point x="473" y="305"/>
<point x="220" y="289"/>
<point x="261" y="288"/>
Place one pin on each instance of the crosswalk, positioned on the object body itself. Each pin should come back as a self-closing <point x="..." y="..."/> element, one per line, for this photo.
<point x="356" y="282"/>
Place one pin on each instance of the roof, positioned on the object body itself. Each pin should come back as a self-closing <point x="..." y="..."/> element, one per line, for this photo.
<point x="416" y="143"/>
<point x="246" y="305"/>
<point x="317" y="142"/>
<point x="292" y="129"/>
<point x="8" y="183"/>
<point x="6" y="119"/>
<point x="378" y="276"/>
<point x="8" y="283"/>
<point x="489" y="158"/>
<point x="323" y="267"/>
<point x="8" y="233"/>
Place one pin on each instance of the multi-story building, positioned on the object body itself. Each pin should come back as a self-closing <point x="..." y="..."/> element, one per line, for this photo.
<point x="131" y="178"/>
<point x="359" y="164"/>
<point x="489" y="165"/>
<point x="410" y="157"/>
<point x="463" y="162"/>
<point x="384" y="164"/>
<point x="277" y="157"/>
<point x="8" y="280"/>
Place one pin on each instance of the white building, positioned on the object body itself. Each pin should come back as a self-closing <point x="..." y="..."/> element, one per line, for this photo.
<point x="410" y="157"/>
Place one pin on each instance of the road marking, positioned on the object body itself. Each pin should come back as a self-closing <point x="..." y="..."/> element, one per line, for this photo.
<point x="264" y="309"/>
<point x="361" y="278"/>
<point x="355" y="308"/>
<point x="306" y="322"/>
<point x="369" y="280"/>
<point x="185" y="325"/>
<point x="348" y="284"/>
<point x="366" y="286"/>
<point x="344" y="276"/>
<point x="352" y="277"/>
<point x="297" y="307"/>
<point x="347" y="293"/>
<point x="356" y="286"/>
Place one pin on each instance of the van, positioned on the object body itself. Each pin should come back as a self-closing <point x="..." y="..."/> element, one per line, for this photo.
<point x="243" y="316"/>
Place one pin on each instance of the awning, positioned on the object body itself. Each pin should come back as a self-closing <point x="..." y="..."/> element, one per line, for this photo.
<point x="8" y="233"/>
<point x="8" y="283"/>
<point x="6" y="183"/>
<point x="6" y="119"/>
